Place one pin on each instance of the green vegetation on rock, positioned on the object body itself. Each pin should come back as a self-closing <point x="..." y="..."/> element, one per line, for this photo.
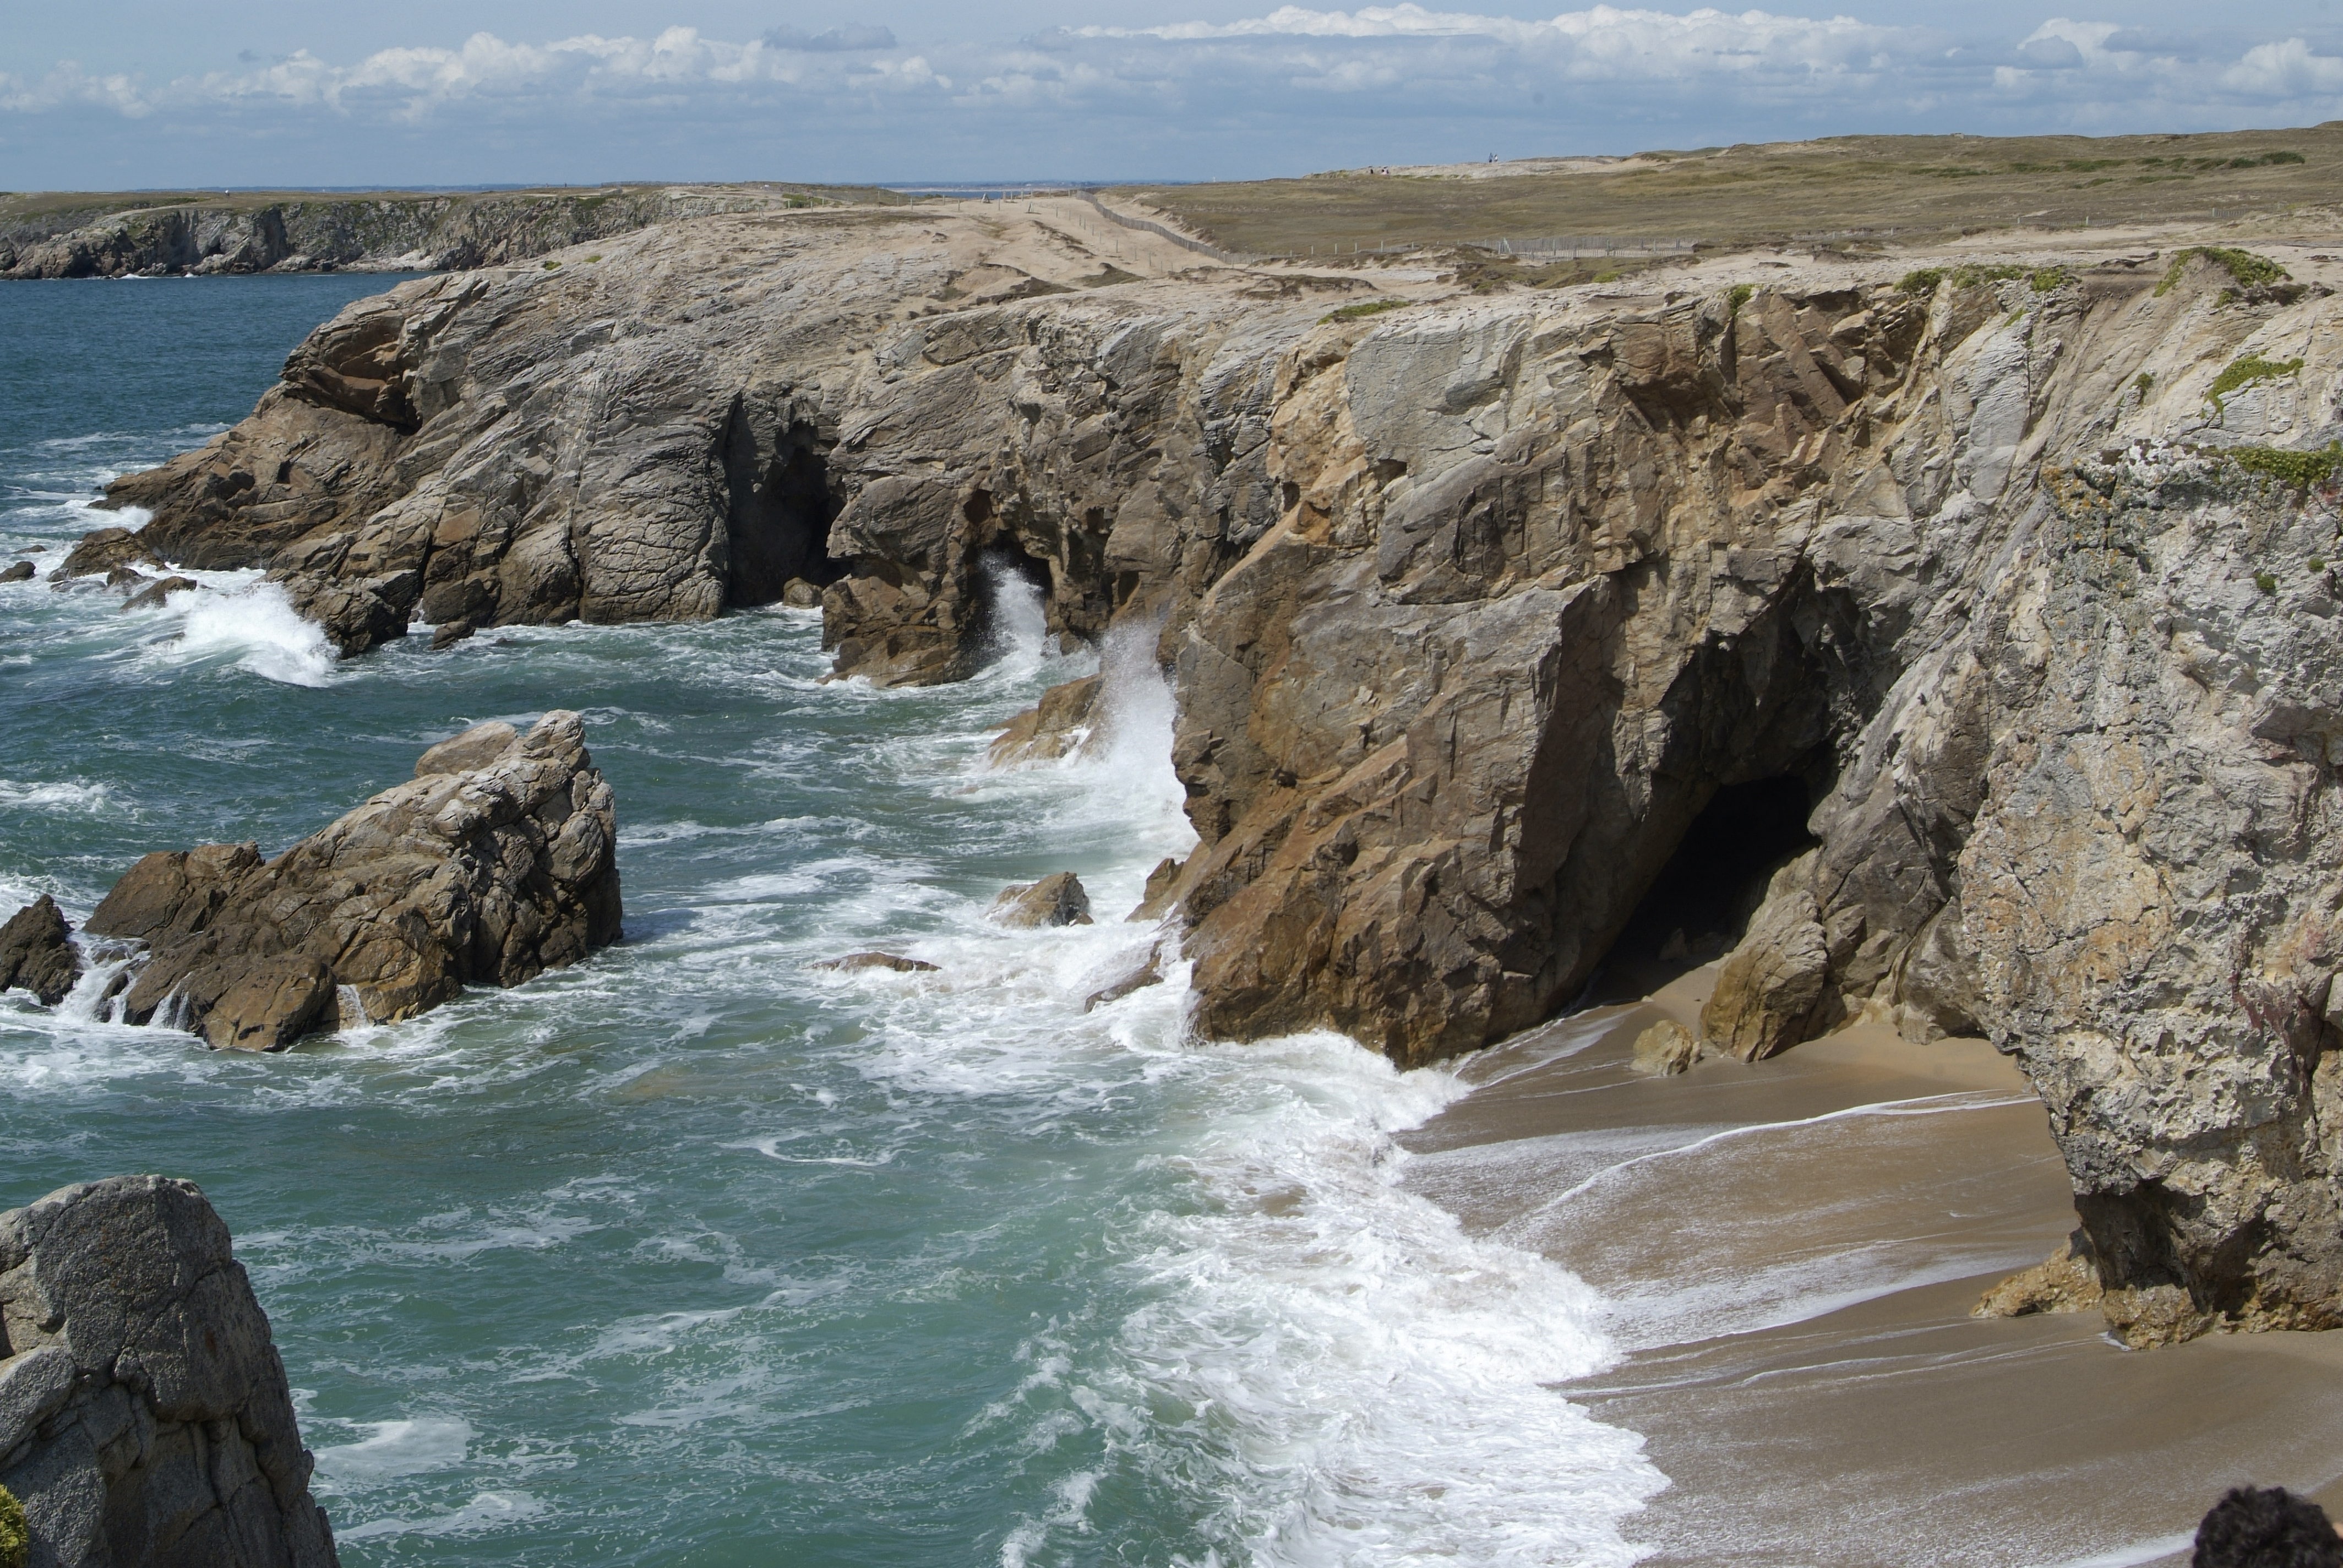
<point x="2244" y="371"/>
<point x="1364" y="308"/>
<point x="2044" y="279"/>
<point x="2297" y="469"/>
<point x="2145" y="382"/>
<point x="16" y="1533"/>
<point x="1740" y="295"/>
<point x="2250" y="270"/>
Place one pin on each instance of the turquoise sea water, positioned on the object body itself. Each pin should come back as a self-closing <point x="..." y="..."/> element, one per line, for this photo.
<point x="695" y="1254"/>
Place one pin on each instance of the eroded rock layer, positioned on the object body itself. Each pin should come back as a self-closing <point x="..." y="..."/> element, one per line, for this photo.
<point x="2013" y="580"/>
<point x="145" y="1418"/>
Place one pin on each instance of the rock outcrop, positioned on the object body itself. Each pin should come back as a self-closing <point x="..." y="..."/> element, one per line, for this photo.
<point x="1059" y="900"/>
<point x="36" y="952"/>
<point x="1471" y="610"/>
<point x="497" y="862"/>
<point x="384" y="232"/>
<point x="145" y="1418"/>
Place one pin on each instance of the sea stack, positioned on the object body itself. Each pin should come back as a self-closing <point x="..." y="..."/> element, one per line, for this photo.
<point x="145" y="1418"/>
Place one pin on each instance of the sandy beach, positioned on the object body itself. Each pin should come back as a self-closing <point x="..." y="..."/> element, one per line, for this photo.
<point x="1792" y="1251"/>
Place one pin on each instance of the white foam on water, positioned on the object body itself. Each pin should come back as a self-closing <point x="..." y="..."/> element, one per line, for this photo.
<point x="1330" y="1368"/>
<point x="394" y="1448"/>
<point x="487" y="1511"/>
<point x="255" y="627"/>
<point x="65" y="795"/>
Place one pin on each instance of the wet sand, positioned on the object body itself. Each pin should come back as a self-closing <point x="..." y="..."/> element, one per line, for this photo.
<point x="1791" y="1252"/>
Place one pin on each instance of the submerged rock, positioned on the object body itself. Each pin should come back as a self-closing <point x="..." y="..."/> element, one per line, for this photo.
<point x="36" y="952"/>
<point x="1054" y="900"/>
<point x="497" y="862"/>
<point x="106" y="552"/>
<point x="18" y="572"/>
<point x="894" y="962"/>
<point x="145" y="1417"/>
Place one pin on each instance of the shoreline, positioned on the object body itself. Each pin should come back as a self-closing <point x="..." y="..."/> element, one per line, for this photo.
<point x="1789" y="1252"/>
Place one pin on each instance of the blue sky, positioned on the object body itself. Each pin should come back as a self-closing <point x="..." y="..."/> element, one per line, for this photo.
<point x="325" y="92"/>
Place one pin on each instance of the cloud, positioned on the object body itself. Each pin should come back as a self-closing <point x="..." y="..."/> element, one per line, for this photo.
<point x="831" y="40"/>
<point x="1288" y="88"/>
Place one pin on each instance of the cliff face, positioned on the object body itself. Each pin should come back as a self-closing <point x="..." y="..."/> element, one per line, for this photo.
<point x="145" y="1418"/>
<point x="1475" y="610"/>
<point x="383" y="233"/>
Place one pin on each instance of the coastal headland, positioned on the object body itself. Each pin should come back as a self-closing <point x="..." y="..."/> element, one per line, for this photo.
<point x="1923" y="643"/>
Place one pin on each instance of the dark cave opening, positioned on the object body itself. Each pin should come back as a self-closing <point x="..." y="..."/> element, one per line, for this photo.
<point x="1698" y="905"/>
<point x="779" y="510"/>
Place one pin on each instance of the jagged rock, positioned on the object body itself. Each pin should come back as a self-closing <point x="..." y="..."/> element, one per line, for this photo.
<point x="894" y="962"/>
<point x="36" y="952"/>
<point x="1062" y="722"/>
<point x="153" y="594"/>
<point x="1054" y="900"/>
<point x="495" y="863"/>
<point x="18" y="572"/>
<point x="1664" y="1049"/>
<point x="1769" y="988"/>
<point x="1162" y="887"/>
<point x="145" y="1417"/>
<point x="2062" y="1282"/>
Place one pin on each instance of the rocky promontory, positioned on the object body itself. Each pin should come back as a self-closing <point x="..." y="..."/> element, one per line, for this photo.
<point x="145" y="1417"/>
<point x="170" y="233"/>
<point x="496" y="863"/>
<point x="1978" y="605"/>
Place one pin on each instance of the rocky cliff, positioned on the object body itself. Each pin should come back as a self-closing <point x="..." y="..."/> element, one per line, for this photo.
<point x="388" y="232"/>
<point x="1980" y="616"/>
<point x="145" y="1419"/>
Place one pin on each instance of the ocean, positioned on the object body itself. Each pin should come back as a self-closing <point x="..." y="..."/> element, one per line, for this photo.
<point x="697" y="1254"/>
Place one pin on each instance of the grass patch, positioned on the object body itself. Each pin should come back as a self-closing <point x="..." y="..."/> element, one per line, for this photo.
<point x="2044" y="279"/>
<point x="552" y="267"/>
<point x="2246" y="369"/>
<point x="2297" y="469"/>
<point x="1363" y="308"/>
<point x="2266" y="582"/>
<point x="1742" y="294"/>
<point x="2248" y="269"/>
<point x="1922" y="280"/>
<point x="2146" y="383"/>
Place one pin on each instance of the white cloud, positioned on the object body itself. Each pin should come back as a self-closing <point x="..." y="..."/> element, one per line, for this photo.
<point x="1289" y="88"/>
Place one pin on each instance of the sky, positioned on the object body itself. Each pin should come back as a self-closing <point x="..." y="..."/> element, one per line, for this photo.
<point x="125" y="94"/>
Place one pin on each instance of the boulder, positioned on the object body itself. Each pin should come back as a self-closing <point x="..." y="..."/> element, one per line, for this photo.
<point x="1665" y="1050"/>
<point x="799" y="594"/>
<point x="894" y="962"/>
<point x="153" y="594"/>
<point x="18" y="572"/>
<point x="1054" y="900"/>
<point x="1770" y="986"/>
<point x="36" y="952"/>
<point x="145" y="1417"/>
<point x="1062" y="722"/>
<point x="108" y="550"/>
<point x="496" y="863"/>
<point x="269" y="1004"/>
